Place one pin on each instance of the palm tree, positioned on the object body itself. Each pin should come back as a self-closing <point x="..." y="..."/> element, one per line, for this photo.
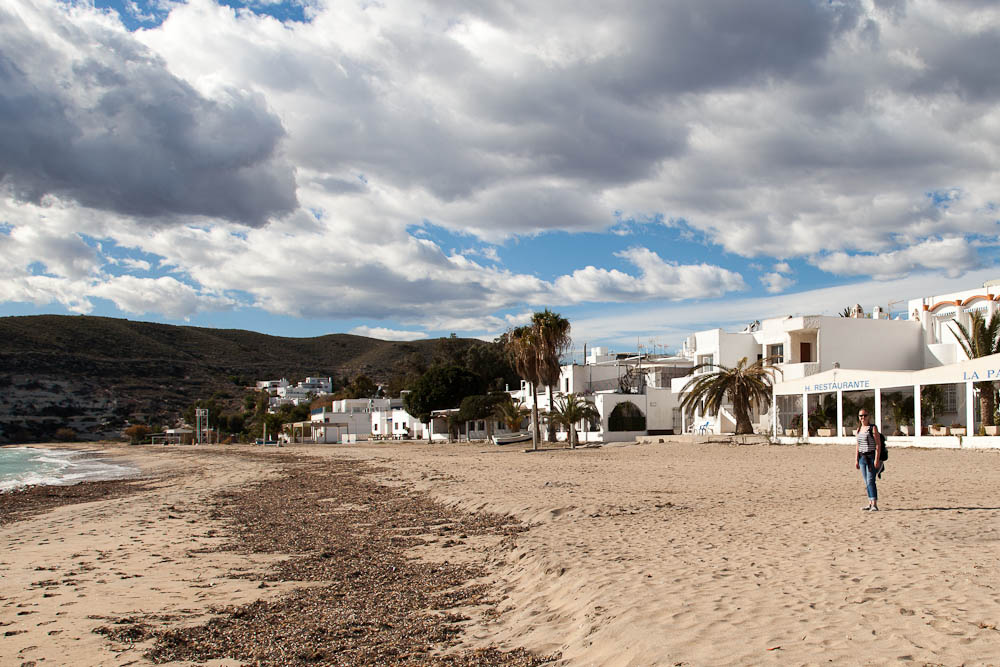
<point x="521" y="345"/>
<point x="535" y="350"/>
<point x="552" y="331"/>
<point x="744" y="385"/>
<point x="981" y="340"/>
<point x="570" y="411"/>
<point x="511" y="414"/>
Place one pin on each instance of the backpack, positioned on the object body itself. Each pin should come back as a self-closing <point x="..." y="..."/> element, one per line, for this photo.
<point x="885" y="447"/>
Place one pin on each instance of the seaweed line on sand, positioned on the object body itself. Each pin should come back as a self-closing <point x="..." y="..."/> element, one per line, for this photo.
<point x="24" y="503"/>
<point x="372" y="603"/>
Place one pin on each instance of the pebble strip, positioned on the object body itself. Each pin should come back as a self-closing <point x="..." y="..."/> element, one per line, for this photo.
<point x="376" y="604"/>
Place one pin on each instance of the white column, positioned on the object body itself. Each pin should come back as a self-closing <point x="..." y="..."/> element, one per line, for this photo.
<point x="683" y="420"/>
<point x="917" y="420"/>
<point x="840" y="414"/>
<point x="970" y="409"/>
<point x="878" y="409"/>
<point x="805" y="414"/>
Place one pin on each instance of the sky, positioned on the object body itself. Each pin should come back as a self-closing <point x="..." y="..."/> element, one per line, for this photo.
<point x="408" y="170"/>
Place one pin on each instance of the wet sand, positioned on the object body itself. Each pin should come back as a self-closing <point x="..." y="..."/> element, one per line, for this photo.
<point x="658" y="554"/>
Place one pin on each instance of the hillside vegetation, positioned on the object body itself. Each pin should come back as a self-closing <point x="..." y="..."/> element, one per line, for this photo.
<point x="99" y="370"/>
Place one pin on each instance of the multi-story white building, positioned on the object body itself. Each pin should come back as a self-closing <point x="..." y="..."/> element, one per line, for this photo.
<point x="798" y="347"/>
<point x="934" y="400"/>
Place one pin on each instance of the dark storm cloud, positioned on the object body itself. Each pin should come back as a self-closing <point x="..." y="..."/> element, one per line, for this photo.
<point x="98" y="119"/>
<point x="696" y="45"/>
<point x="962" y="63"/>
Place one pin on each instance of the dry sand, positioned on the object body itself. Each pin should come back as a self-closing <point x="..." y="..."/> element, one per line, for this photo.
<point x="656" y="554"/>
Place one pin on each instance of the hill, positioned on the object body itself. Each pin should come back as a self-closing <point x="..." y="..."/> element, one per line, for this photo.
<point x="97" y="371"/>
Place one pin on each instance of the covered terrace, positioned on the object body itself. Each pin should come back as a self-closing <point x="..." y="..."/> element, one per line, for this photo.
<point x="931" y="407"/>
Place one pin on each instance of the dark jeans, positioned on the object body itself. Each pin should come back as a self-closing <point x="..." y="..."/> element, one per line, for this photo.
<point x="868" y="471"/>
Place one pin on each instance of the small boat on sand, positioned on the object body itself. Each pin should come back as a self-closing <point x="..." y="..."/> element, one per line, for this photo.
<point x="511" y="438"/>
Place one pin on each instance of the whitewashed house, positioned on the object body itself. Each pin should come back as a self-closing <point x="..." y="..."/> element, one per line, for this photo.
<point x="350" y="416"/>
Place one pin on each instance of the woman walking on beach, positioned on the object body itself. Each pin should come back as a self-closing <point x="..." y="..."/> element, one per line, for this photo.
<point x="867" y="457"/>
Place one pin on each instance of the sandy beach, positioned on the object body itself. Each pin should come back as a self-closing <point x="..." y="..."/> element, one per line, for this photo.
<point x="656" y="554"/>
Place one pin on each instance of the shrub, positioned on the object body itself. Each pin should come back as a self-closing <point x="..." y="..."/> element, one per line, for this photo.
<point x="65" y="434"/>
<point x="137" y="433"/>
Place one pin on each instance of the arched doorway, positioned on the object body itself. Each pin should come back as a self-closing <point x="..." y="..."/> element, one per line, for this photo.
<point x="626" y="417"/>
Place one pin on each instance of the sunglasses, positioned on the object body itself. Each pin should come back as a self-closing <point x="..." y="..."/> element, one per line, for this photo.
<point x="863" y="414"/>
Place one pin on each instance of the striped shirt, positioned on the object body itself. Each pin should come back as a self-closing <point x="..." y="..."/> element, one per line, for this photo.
<point x="866" y="440"/>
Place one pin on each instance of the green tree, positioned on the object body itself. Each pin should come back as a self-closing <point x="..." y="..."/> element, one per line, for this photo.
<point x="440" y="388"/>
<point x="981" y="339"/>
<point x="136" y="433"/>
<point x="743" y="385"/>
<point x="901" y="407"/>
<point x="511" y="414"/>
<point x="931" y="402"/>
<point x="490" y="362"/>
<point x="570" y="411"/>
<point x="361" y="386"/>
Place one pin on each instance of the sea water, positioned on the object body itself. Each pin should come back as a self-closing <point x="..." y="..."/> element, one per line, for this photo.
<point x="26" y="466"/>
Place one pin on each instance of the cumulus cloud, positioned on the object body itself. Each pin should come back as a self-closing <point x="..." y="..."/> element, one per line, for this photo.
<point x="656" y="280"/>
<point x="387" y="334"/>
<point x="952" y="256"/>
<point x="91" y="115"/>
<point x="775" y="282"/>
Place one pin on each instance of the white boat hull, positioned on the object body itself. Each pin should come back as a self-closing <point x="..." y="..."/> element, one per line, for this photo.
<point x="511" y="439"/>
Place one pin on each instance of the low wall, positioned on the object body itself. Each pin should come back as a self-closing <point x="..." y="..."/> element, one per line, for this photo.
<point x="927" y="441"/>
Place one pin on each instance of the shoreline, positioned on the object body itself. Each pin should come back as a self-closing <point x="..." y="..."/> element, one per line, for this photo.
<point x="266" y="550"/>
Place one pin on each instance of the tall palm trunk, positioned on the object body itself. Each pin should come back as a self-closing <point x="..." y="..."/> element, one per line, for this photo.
<point x="535" y="433"/>
<point x="551" y="422"/>
<point x="986" y="403"/>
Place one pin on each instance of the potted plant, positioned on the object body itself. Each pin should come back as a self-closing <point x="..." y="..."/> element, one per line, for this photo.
<point x="957" y="429"/>
<point x="938" y="429"/>
<point x="824" y="431"/>
<point x="793" y="427"/>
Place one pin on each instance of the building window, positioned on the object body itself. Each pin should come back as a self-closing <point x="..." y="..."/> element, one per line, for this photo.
<point x="567" y="385"/>
<point x="776" y="353"/>
<point x="706" y="361"/>
<point x="950" y="398"/>
<point x="375" y="428"/>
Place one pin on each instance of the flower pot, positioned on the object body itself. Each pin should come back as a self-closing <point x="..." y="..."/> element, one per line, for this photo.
<point x="906" y="429"/>
<point x="992" y="430"/>
<point x="824" y="432"/>
<point x="958" y="430"/>
<point x="792" y="432"/>
<point x="938" y="430"/>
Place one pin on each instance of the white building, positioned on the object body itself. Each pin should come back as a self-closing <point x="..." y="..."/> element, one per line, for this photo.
<point x="271" y="386"/>
<point x="799" y="347"/>
<point x="935" y="403"/>
<point x="937" y="315"/>
<point x="349" y="416"/>
<point x="396" y="424"/>
<point x="631" y="392"/>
